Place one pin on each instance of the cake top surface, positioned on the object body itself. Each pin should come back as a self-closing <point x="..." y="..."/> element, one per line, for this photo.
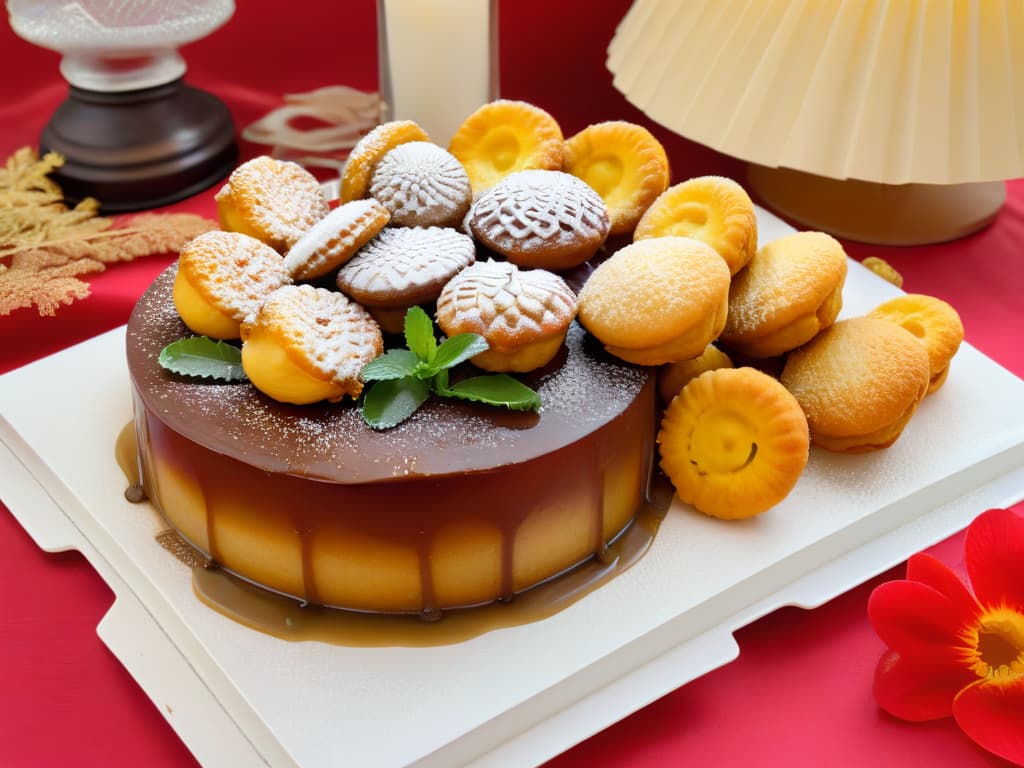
<point x="582" y="389"/>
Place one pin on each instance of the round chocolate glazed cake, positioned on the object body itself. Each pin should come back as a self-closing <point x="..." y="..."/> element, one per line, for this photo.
<point x="460" y="505"/>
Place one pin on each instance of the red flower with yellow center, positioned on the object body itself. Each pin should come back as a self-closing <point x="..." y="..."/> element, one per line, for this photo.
<point x="954" y="652"/>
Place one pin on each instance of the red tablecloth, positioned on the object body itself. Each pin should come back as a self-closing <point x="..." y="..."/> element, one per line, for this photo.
<point x="799" y="694"/>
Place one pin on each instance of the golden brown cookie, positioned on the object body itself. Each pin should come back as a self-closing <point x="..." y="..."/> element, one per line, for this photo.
<point x="546" y="219"/>
<point x="734" y="442"/>
<point x="713" y="209"/>
<point x="335" y="238"/>
<point x="503" y="137"/>
<point x="309" y="344"/>
<point x="790" y="290"/>
<point x="674" y="376"/>
<point x="624" y="163"/>
<point x="884" y="270"/>
<point x="368" y="151"/>
<point x="222" y="279"/>
<point x="657" y="301"/>
<point x="859" y="382"/>
<point x="272" y="200"/>
<point x="932" y="321"/>
<point x="522" y="314"/>
<point x="421" y="185"/>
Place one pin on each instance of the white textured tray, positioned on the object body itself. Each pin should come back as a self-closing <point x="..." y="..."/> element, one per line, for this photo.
<point x="515" y="696"/>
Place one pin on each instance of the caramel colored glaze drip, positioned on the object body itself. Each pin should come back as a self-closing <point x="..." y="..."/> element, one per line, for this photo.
<point x="288" y="619"/>
<point x="126" y="452"/>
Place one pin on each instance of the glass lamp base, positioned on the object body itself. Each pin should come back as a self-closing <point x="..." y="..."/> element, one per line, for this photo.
<point x="141" y="148"/>
<point x="881" y="214"/>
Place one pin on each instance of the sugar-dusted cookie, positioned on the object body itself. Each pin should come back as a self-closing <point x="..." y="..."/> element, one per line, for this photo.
<point x="222" y="279"/>
<point x="734" y="442"/>
<point x="368" y="151"/>
<point x="335" y="238"/>
<point x="522" y="314"/>
<point x="309" y="344"/>
<point x="790" y="290"/>
<point x="506" y="136"/>
<point x="658" y="300"/>
<point x="859" y="382"/>
<point x="934" y="323"/>
<point x="422" y="185"/>
<point x="624" y="163"/>
<point x="272" y="200"/>
<point x="546" y="219"/>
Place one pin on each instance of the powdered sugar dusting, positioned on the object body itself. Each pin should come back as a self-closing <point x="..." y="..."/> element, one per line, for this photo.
<point x="422" y="185"/>
<point x="335" y="238"/>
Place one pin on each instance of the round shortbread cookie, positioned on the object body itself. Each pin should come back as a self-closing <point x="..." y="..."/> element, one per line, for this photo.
<point x="363" y="159"/>
<point x="546" y="219"/>
<point x="422" y="185"/>
<point x="335" y="238"/>
<point x="403" y="266"/>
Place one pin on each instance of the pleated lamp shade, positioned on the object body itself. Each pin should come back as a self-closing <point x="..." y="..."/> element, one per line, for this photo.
<point x="894" y="97"/>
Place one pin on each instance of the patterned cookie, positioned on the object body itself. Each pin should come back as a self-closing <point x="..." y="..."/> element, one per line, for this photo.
<point x="422" y="185"/>
<point x="222" y="279"/>
<point x="547" y="219"/>
<point x="404" y="266"/>
<point x="523" y="314"/>
<point x="272" y="200"/>
<point x="309" y="344"/>
<point x="363" y="159"/>
<point x="335" y="238"/>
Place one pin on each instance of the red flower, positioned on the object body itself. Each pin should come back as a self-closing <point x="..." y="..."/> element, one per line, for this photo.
<point x="955" y="653"/>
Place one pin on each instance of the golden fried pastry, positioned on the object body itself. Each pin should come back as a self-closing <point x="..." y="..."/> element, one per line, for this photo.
<point x="546" y="219"/>
<point x="932" y="321"/>
<point x="884" y="270"/>
<point x="657" y="301"/>
<point x="422" y="186"/>
<point x="624" y="164"/>
<point x="790" y="290"/>
<point x="272" y="200"/>
<point x="222" y="279"/>
<point x="859" y="382"/>
<point x="674" y="376"/>
<point x="404" y="266"/>
<point x="734" y="442"/>
<point x="335" y="238"/>
<point x="522" y="314"/>
<point x="309" y="344"/>
<point x="503" y="137"/>
<point x="368" y="151"/>
<point x="713" y="209"/>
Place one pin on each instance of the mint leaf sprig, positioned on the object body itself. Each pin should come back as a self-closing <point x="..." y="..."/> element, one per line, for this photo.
<point x="403" y="379"/>
<point x="203" y="357"/>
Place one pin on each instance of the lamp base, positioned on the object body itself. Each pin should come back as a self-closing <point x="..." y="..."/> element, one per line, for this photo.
<point x="882" y="214"/>
<point x="140" y="149"/>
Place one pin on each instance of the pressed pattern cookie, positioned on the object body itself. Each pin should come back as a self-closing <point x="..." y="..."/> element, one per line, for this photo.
<point x="859" y="382"/>
<point x="714" y="209"/>
<point x="503" y="137"/>
<point x="222" y="279"/>
<point x="335" y="238"/>
<point x="933" y="322"/>
<point x="422" y="185"/>
<point x="546" y="219"/>
<point x="368" y="151"/>
<point x="657" y="301"/>
<point x="523" y="314"/>
<point x="790" y="290"/>
<point x="624" y="163"/>
<point x="272" y="200"/>
<point x="734" y="442"/>
<point x="674" y="376"/>
<point x="309" y="344"/>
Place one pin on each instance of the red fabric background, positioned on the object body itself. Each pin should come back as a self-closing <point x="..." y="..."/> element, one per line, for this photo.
<point x="799" y="695"/>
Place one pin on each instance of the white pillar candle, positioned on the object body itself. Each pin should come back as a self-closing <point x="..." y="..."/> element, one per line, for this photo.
<point x="438" y="61"/>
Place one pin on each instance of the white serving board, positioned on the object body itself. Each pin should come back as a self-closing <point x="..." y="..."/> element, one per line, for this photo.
<point x="519" y="695"/>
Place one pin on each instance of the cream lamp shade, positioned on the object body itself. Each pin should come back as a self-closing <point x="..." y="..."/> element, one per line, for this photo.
<point x="889" y="121"/>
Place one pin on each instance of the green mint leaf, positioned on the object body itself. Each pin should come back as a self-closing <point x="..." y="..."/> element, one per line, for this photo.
<point x="498" y="389"/>
<point x="419" y="334"/>
<point x="457" y="349"/>
<point x="393" y="364"/>
<point x="391" y="401"/>
<point x="202" y="356"/>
